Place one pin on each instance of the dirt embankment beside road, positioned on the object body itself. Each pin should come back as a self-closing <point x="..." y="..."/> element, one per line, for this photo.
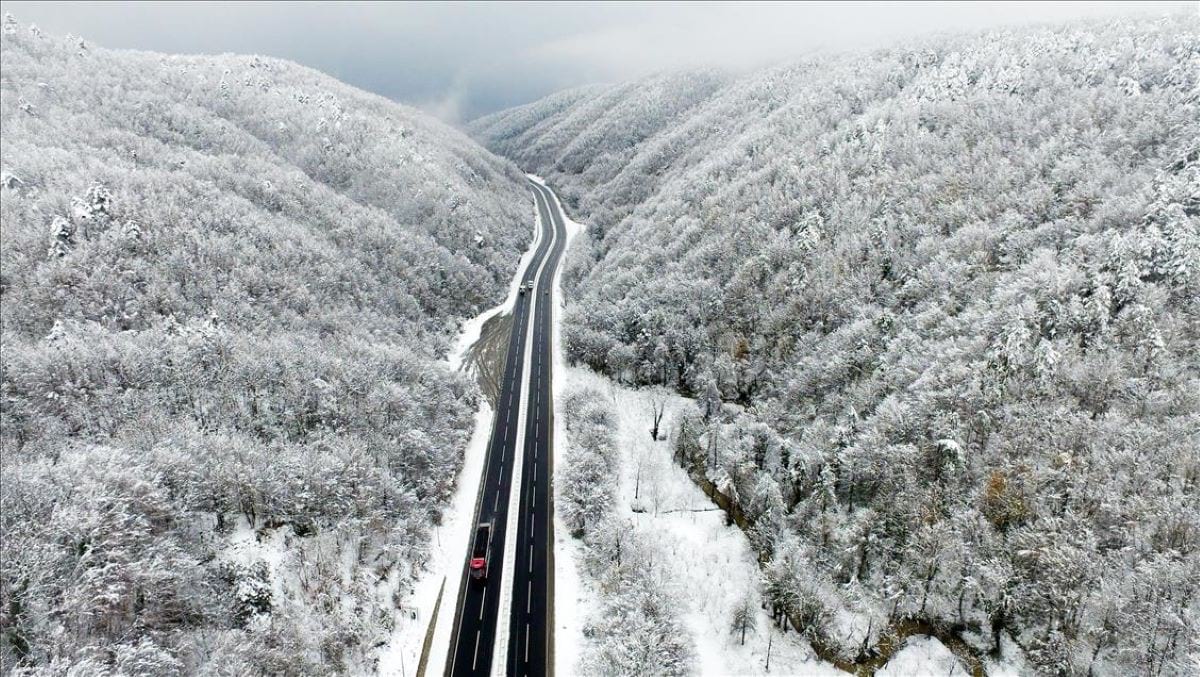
<point x="485" y="358"/>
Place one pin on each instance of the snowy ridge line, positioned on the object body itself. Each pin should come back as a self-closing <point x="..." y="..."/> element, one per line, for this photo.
<point x="460" y="515"/>
<point x="503" y="610"/>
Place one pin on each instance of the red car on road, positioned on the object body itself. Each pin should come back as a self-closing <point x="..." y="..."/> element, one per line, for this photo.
<point x="481" y="551"/>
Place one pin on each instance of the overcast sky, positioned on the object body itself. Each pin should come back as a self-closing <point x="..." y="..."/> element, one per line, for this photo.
<point x="463" y="60"/>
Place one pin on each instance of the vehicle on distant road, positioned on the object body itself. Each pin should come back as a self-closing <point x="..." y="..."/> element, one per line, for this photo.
<point x="522" y="288"/>
<point x="481" y="551"/>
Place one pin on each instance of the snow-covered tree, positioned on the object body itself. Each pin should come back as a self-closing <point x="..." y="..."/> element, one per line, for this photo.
<point x="213" y="328"/>
<point x="956" y="280"/>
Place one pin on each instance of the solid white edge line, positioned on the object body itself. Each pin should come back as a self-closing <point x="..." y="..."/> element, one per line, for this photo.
<point x="446" y="635"/>
<point x="562" y="662"/>
<point x="503" y="629"/>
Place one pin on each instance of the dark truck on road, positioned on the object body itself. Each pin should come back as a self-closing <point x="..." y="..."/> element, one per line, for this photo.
<point x="481" y="551"/>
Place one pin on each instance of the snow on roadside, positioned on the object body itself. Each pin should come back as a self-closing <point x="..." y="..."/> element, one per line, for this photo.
<point x="468" y="334"/>
<point x="714" y="565"/>
<point x="401" y="655"/>
<point x="921" y="656"/>
<point x="403" y="652"/>
<point x="571" y="597"/>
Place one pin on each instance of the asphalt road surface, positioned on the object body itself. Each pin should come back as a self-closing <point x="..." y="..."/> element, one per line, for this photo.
<point x="530" y="636"/>
<point x="472" y="644"/>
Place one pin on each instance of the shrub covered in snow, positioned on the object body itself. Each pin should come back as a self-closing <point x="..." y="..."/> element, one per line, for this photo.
<point x="587" y="477"/>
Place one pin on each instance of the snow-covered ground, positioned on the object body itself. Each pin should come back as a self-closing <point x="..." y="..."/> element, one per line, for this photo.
<point x="713" y="565"/>
<point x="284" y="570"/>
<point x="923" y="656"/>
<point x="1012" y="661"/>
<point x="403" y="652"/>
<point x="468" y="334"/>
<point x="247" y="547"/>
<point x="401" y="655"/>
<point x="570" y="596"/>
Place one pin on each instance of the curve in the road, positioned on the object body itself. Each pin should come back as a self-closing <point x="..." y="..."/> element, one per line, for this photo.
<point x="477" y="617"/>
<point x="530" y="629"/>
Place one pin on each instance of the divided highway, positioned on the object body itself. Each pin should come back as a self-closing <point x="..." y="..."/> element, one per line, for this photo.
<point x="531" y="622"/>
<point x="478" y="617"/>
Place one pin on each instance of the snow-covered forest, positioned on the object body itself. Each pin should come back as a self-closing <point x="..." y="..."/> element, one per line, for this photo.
<point x="635" y="629"/>
<point x="940" y="307"/>
<point x="228" y="283"/>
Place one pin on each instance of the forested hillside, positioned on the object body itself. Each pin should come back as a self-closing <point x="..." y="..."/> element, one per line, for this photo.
<point x="940" y="307"/>
<point x="227" y="286"/>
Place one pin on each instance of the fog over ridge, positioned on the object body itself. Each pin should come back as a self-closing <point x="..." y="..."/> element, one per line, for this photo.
<point x="461" y="61"/>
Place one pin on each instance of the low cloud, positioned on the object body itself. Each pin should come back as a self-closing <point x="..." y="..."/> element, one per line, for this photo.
<point x="459" y="61"/>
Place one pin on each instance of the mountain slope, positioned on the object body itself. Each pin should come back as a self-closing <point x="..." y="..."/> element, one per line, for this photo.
<point x="951" y="290"/>
<point x="592" y="135"/>
<point x="227" y="285"/>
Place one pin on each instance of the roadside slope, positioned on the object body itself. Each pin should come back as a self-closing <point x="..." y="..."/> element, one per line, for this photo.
<point x="938" y="304"/>
<point x="228" y="285"/>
